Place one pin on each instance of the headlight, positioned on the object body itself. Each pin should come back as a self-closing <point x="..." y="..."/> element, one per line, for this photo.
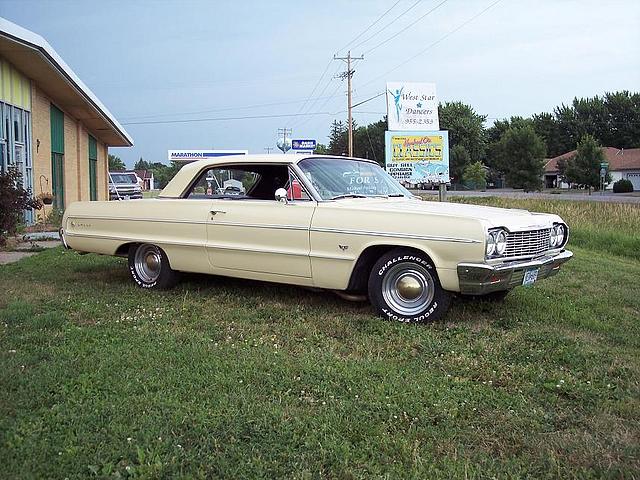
<point x="558" y="234"/>
<point x="501" y="242"/>
<point x="491" y="243"/>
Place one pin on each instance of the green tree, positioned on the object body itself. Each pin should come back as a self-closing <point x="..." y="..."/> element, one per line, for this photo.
<point x="115" y="163"/>
<point x="164" y="173"/>
<point x="142" y="165"/>
<point x="465" y="126"/>
<point x="368" y="141"/>
<point x="459" y="158"/>
<point x="475" y="175"/>
<point x="338" y="138"/>
<point x="494" y="135"/>
<point x="584" y="167"/>
<point x="623" y="117"/>
<point x="322" y="149"/>
<point x="522" y="154"/>
<point x="546" y="127"/>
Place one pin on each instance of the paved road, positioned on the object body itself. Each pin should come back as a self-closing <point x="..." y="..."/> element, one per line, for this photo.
<point x="595" y="197"/>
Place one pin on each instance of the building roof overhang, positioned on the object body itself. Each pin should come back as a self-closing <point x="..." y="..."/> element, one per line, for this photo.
<point x="35" y="58"/>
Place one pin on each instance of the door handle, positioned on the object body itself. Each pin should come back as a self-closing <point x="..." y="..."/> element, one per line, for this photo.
<point x="215" y="212"/>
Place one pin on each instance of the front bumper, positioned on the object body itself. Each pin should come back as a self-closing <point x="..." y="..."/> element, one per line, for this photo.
<point x="480" y="278"/>
<point x="125" y="196"/>
<point x="62" y="239"/>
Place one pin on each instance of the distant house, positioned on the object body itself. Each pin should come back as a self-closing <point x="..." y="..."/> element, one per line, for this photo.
<point x="623" y="163"/>
<point x="146" y="179"/>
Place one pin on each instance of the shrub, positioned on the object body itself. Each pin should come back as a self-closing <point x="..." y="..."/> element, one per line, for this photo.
<point x="623" y="186"/>
<point x="14" y="200"/>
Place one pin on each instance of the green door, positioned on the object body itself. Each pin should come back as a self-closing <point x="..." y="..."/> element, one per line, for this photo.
<point x="93" y="165"/>
<point x="57" y="157"/>
<point x="57" y="181"/>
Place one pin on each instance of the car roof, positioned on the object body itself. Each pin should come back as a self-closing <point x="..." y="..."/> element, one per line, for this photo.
<point x="176" y="187"/>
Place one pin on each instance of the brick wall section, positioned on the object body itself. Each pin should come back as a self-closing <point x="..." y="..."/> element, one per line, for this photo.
<point x="76" y="152"/>
<point x="102" y="168"/>
<point x="40" y="130"/>
<point x="71" y="183"/>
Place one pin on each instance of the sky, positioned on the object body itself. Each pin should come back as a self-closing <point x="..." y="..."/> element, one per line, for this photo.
<point x="206" y="66"/>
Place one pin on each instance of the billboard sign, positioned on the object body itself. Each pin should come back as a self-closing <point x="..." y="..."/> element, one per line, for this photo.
<point x="193" y="155"/>
<point x="308" y="145"/>
<point x="417" y="157"/>
<point x="412" y="106"/>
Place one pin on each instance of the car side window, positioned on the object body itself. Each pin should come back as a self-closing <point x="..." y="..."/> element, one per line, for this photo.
<point x="223" y="182"/>
<point x="244" y="182"/>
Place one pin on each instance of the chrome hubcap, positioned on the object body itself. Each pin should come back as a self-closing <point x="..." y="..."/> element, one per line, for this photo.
<point x="408" y="288"/>
<point x="147" y="263"/>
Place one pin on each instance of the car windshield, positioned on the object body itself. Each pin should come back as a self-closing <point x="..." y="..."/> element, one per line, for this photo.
<point x="122" y="178"/>
<point x="335" y="178"/>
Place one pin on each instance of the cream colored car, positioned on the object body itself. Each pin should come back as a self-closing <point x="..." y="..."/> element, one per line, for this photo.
<point x="335" y="223"/>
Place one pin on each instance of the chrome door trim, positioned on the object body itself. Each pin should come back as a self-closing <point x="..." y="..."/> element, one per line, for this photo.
<point x="259" y="225"/>
<point x="136" y="240"/>
<point x="138" y="219"/>
<point x="394" y="235"/>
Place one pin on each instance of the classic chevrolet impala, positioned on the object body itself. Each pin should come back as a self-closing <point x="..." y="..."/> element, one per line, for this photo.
<point x="327" y="222"/>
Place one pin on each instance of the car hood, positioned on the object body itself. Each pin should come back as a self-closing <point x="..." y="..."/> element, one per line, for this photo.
<point x="512" y="219"/>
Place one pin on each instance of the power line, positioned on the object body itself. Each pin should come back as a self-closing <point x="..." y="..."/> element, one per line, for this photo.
<point x="324" y="72"/>
<point x="368" y="99"/>
<point x="434" y="43"/>
<point x="220" y="119"/>
<point x="304" y="121"/>
<point x="405" y="28"/>
<point x="369" y="27"/>
<point x="315" y="100"/>
<point x="387" y="25"/>
<point x="224" y="109"/>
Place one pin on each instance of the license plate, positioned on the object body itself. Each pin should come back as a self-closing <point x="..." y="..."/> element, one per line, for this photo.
<point x="530" y="276"/>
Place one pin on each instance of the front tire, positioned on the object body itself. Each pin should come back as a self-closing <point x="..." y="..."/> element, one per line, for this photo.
<point x="149" y="267"/>
<point x="404" y="287"/>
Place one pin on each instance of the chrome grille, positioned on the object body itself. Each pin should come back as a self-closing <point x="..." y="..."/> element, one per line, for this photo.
<point x="528" y="244"/>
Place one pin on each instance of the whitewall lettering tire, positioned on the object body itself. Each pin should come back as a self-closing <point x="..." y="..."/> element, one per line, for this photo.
<point x="149" y="267"/>
<point x="404" y="287"/>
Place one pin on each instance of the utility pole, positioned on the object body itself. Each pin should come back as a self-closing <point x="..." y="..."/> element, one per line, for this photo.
<point x="348" y="74"/>
<point x="268" y="149"/>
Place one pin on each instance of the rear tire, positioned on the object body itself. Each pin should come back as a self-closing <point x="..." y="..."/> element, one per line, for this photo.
<point x="404" y="287"/>
<point x="149" y="267"/>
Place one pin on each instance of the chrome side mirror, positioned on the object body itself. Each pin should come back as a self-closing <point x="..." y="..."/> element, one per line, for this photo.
<point x="281" y="195"/>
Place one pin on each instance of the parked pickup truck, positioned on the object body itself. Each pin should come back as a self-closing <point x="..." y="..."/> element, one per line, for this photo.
<point x="123" y="186"/>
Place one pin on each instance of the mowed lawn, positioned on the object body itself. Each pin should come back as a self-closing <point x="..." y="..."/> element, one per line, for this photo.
<point x="238" y="379"/>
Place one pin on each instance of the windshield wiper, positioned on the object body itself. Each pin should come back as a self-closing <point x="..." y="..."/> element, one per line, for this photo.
<point x="395" y="195"/>
<point x="348" y="195"/>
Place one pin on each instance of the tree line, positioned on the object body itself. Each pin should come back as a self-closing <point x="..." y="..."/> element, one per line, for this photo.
<point x="515" y="149"/>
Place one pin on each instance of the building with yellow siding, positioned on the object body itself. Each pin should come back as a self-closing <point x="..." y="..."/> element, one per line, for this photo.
<point x="52" y="128"/>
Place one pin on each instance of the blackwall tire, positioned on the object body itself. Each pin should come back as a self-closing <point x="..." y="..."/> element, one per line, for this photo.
<point x="404" y="287"/>
<point x="149" y="267"/>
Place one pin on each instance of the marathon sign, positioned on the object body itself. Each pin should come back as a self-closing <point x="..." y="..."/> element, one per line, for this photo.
<point x="308" y="145"/>
<point x="194" y="155"/>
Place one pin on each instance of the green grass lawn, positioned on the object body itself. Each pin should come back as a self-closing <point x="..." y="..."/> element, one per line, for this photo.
<point x="240" y="379"/>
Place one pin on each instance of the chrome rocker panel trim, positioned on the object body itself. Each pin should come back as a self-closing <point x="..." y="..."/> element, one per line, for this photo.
<point x="481" y="278"/>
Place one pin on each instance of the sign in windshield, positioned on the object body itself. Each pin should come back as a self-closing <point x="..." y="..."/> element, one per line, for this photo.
<point x="332" y="177"/>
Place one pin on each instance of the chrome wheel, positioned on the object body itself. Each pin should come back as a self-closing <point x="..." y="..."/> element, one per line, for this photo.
<point x="408" y="288"/>
<point x="148" y="262"/>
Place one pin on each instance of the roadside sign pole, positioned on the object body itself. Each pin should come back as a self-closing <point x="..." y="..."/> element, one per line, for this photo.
<point x="442" y="192"/>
